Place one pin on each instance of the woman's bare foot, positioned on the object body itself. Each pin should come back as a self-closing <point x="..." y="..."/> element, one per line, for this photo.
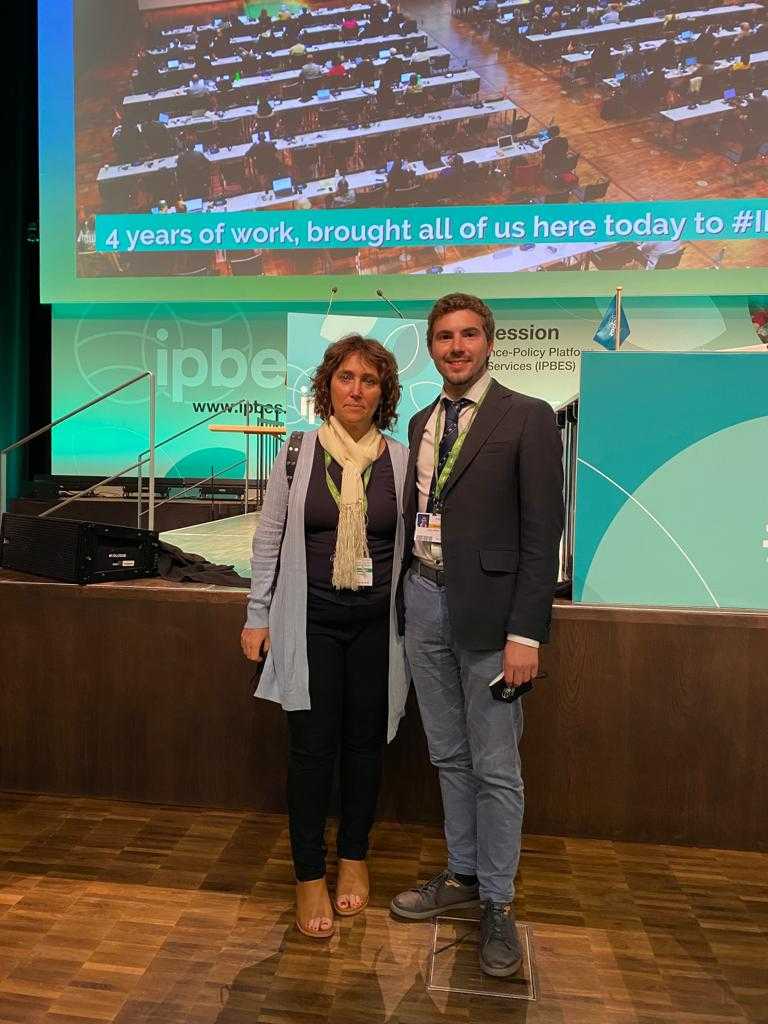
<point x="352" y="887"/>
<point x="314" y="913"/>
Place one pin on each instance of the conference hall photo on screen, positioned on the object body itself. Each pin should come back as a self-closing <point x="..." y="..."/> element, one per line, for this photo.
<point x="235" y="107"/>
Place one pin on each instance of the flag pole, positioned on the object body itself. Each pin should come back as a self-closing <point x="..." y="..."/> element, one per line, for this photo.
<point x="617" y="326"/>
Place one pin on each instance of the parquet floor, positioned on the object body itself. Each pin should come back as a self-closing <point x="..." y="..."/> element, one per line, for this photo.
<point x="131" y="913"/>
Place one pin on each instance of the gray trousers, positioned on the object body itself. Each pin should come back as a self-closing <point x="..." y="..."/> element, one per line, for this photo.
<point x="473" y="742"/>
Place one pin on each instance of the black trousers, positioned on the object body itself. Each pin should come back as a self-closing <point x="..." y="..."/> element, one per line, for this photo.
<point x="348" y="653"/>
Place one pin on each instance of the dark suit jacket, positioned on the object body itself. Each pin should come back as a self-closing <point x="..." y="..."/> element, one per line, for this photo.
<point x="502" y="520"/>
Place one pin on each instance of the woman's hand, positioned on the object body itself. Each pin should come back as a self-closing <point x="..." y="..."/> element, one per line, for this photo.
<point x="255" y="643"/>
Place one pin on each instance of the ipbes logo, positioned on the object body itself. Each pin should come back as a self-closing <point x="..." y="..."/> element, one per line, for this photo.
<point x="182" y="369"/>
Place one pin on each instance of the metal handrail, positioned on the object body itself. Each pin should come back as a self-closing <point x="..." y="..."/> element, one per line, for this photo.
<point x="149" y="375"/>
<point x="567" y="418"/>
<point x="141" y="461"/>
<point x="199" y="483"/>
<point x="180" y="433"/>
<point x="88" y="490"/>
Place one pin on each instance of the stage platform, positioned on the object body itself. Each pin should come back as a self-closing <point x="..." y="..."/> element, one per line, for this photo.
<point x="225" y="542"/>
<point x="118" y="511"/>
<point x="650" y="727"/>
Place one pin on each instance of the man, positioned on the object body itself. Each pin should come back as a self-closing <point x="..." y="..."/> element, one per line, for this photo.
<point x="652" y="252"/>
<point x="366" y="72"/>
<point x="193" y="173"/>
<point x="743" y="36"/>
<point x="486" y="462"/>
<point x="400" y="174"/>
<point x="554" y="152"/>
<point x="393" y="69"/>
<point x="197" y="86"/>
<point x="338" y="69"/>
<point x="350" y="28"/>
<point x="345" y="196"/>
<point x="311" y="70"/>
<point x="146" y="72"/>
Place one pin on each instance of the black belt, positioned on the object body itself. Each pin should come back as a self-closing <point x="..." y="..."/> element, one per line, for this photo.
<point x="422" y="569"/>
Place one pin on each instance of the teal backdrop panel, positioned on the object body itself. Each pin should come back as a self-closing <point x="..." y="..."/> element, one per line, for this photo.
<point x="672" y="488"/>
<point x="212" y="357"/>
<point x="308" y="337"/>
<point x="210" y="361"/>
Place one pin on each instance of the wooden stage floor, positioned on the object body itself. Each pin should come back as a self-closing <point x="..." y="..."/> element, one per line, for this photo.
<point x="226" y="541"/>
<point x="130" y="913"/>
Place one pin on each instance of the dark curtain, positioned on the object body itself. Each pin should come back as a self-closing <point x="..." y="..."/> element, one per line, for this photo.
<point x="24" y="324"/>
<point x="104" y="26"/>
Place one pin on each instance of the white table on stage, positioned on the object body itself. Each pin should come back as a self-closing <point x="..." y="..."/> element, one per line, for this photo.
<point x="506" y="5"/>
<point x="175" y="48"/>
<point x="677" y="74"/>
<point x="396" y="124"/>
<point x="627" y="27"/>
<point x="115" y="172"/>
<point x="514" y="260"/>
<point x="190" y="66"/>
<point x="317" y="12"/>
<point x="314" y="30"/>
<point x="332" y="49"/>
<point x="360" y="181"/>
<point x="317" y="29"/>
<point x="714" y="108"/>
<point x="278" y="77"/>
<point x="346" y="96"/>
<point x="184" y="30"/>
<point x="180" y="30"/>
<point x="644" y="46"/>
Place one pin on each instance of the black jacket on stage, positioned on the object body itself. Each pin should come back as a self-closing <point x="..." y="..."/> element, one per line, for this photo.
<point x="502" y="519"/>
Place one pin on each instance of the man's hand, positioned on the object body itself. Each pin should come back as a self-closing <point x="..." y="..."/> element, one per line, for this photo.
<point x="521" y="663"/>
<point x="255" y="643"/>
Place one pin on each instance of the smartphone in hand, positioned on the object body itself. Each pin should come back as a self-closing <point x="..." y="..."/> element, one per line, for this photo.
<point x="503" y="691"/>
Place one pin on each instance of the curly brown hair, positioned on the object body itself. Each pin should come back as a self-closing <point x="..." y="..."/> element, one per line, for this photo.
<point x="371" y="352"/>
<point x="461" y="300"/>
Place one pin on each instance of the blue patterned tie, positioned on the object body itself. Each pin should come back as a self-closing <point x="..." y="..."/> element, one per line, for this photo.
<point x="450" y="433"/>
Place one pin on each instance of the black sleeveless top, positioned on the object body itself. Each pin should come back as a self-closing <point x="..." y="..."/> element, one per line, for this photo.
<point x="321" y="518"/>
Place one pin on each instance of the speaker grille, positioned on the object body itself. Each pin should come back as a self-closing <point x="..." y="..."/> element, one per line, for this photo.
<point x="43" y="547"/>
<point x="76" y="552"/>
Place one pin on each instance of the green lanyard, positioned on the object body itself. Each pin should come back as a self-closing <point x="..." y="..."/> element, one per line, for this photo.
<point x="334" y="491"/>
<point x="455" y="451"/>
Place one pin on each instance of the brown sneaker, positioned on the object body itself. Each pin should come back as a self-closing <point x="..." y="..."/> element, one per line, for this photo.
<point x="441" y="893"/>
<point x="500" y="952"/>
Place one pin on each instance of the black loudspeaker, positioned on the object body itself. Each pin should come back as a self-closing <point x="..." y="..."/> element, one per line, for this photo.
<point x="76" y="552"/>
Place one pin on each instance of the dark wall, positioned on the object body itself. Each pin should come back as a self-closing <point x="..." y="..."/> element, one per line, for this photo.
<point x="105" y="27"/>
<point x="24" y="324"/>
<point x="650" y="727"/>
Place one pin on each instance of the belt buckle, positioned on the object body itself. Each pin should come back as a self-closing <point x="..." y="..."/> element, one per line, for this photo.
<point x="437" y="576"/>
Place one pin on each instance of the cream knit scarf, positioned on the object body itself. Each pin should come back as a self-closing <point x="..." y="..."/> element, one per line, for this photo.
<point x="354" y="457"/>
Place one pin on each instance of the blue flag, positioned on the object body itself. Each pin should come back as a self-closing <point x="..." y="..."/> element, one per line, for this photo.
<point x="605" y="334"/>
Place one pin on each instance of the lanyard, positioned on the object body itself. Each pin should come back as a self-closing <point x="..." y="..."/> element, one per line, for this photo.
<point x="334" y="490"/>
<point x="455" y="451"/>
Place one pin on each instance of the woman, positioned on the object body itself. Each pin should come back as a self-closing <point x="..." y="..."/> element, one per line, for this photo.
<point x="345" y="196"/>
<point x="327" y="628"/>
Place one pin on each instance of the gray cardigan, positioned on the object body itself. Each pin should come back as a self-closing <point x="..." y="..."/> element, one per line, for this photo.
<point x="285" y="678"/>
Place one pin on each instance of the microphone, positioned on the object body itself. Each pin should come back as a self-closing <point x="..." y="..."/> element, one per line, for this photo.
<point x="332" y="296"/>
<point x="391" y="304"/>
